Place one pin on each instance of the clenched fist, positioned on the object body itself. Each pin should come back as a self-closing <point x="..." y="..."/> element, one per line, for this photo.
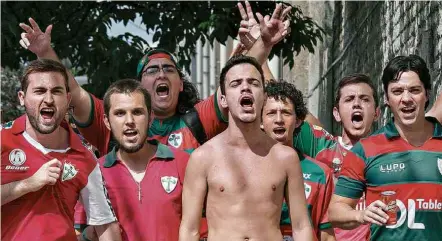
<point x="47" y="174"/>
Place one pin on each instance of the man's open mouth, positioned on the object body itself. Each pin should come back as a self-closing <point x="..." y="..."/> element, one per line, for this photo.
<point x="162" y="90"/>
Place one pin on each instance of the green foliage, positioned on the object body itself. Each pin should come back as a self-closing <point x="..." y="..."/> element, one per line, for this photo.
<point x="80" y="33"/>
<point x="10" y="105"/>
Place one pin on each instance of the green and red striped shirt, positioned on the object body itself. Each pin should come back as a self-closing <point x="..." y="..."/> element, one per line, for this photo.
<point x="386" y="162"/>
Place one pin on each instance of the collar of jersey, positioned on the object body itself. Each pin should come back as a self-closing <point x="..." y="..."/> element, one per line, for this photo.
<point x="19" y="126"/>
<point x="391" y="131"/>
<point x="163" y="152"/>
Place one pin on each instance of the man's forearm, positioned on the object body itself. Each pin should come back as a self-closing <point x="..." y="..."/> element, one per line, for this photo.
<point x="14" y="190"/>
<point x="305" y="233"/>
<point x="260" y="51"/>
<point x="343" y="216"/>
<point x="188" y="235"/>
<point x="328" y="235"/>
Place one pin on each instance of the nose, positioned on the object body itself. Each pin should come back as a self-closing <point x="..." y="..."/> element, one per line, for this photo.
<point x="357" y="103"/>
<point x="279" y="119"/>
<point x="245" y="86"/>
<point x="129" y="119"/>
<point x="49" y="98"/>
<point x="406" y="96"/>
<point x="161" y="73"/>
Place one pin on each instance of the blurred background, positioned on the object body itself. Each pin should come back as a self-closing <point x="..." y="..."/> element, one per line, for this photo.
<point x="103" y="41"/>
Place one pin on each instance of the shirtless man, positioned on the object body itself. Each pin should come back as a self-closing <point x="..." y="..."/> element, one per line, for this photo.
<point x="243" y="173"/>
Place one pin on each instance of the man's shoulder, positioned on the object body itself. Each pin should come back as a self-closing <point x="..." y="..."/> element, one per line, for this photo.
<point x="284" y="153"/>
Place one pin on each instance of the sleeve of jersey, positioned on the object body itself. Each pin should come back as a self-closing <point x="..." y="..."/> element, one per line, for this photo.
<point x="96" y="200"/>
<point x="312" y="139"/>
<point x="324" y="201"/>
<point x="351" y="182"/>
<point x="211" y="116"/>
<point x="94" y="130"/>
<point x="181" y="159"/>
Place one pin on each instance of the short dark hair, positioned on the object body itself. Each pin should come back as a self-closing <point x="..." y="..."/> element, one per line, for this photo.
<point x="355" y="79"/>
<point x="41" y="66"/>
<point x="235" y="60"/>
<point x="126" y="86"/>
<point x="399" y="64"/>
<point x="281" y="90"/>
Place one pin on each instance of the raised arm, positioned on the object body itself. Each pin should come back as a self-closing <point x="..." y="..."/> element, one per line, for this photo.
<point x="295" y="197"/>
<point x="39" y="43"/>
<point x="48" y="174"/>
<point x="194" y="192"/>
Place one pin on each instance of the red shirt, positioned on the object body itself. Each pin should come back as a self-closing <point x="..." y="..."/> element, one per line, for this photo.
<point x="151" y="209"/>
<point x="48" y="214"/>
<point x="171" y="131"/>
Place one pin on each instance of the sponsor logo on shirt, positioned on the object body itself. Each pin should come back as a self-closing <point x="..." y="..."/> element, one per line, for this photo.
<point x="439" y="165"/>
<point x="169" y="183"/>
<point x="306" y="175"/>
<point x="393" y="167"/>
<point x="307" y="189"/>
<point x="17" y="158"/>
<point x="175" y="139"/>
<point x="69" y="172"/>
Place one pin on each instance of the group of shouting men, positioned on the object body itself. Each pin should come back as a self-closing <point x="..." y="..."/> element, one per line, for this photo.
<point x="247" y="163"/>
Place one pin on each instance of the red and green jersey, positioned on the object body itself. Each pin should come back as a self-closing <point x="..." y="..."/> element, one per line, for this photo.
<point x="386" y="162"/>
<point x="318" y="186"/>
<point x="171" y="131"/>
<point x="316" y="141"/>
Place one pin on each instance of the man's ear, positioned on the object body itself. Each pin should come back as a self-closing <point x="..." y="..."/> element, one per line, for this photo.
<point x="21" y="97"/>
<point x="223" y="101"/>
<point x="298" y="123"/>
<point x="336" y="114"/>
<point x="106" y="122"/>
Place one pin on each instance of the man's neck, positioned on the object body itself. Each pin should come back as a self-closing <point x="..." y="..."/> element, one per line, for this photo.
<point x="138" y="161"/>
<point x="58" y="139"/>
<point x="416" y="134"/>
<point x="244" y="134"/>
<point x="161" y="116"/>
<point x="348" y="140"/>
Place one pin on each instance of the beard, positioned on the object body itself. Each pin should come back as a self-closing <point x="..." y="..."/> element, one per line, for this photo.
<point x="40" y="128"/>
<point x="130" y="149"/>
<point x="126" y="148"/>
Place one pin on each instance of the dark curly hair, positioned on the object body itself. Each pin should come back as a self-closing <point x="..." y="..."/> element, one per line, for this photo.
<point x="187" y="98"/>
<point x="281" y="90"/>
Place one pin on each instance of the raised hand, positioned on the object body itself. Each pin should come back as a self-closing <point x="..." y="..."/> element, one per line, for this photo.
<point x="34" y="39"/>
<point x="275" y="28"/>
<point x="48" y="174"/>
<point x="249" y="30"/>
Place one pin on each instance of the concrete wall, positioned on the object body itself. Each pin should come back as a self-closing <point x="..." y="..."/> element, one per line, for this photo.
<point x="363" y="37"/>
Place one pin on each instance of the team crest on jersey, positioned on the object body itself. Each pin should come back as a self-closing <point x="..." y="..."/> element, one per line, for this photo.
<point x="175" y="139"/>
<point x="169" y="183"/>
<point x="7" y="125"/>
<point x="336" y="165"/>
<point x="439" y="165"/>
<point x="69" y="172"/>
<point x="307" y="189"/>
<point x="17" y="157"/>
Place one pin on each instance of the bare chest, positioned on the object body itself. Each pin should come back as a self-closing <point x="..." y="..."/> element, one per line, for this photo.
<point x="246" y="173"/>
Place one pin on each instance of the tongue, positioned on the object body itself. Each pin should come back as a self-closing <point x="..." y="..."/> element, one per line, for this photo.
<point x="47" y="115"/>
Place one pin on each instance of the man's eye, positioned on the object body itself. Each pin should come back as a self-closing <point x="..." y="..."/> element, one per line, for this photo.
<point x="169" y="69"/>
<point x="151" y="70"/>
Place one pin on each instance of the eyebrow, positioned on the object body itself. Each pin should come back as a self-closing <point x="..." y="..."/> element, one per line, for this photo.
<point x="157" y="66"/>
